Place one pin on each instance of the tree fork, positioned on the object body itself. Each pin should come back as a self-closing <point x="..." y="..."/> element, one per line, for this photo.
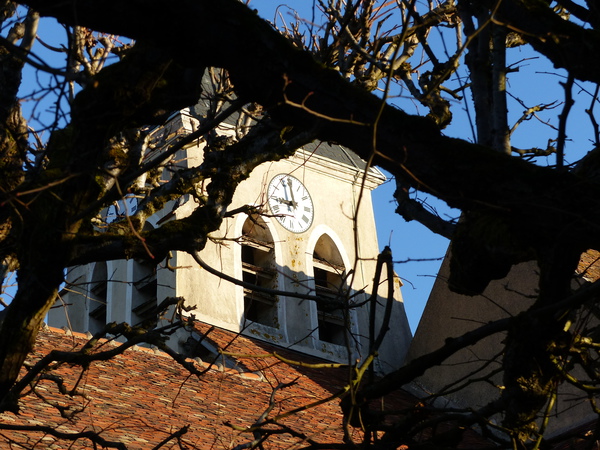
<point x="465" y="175"/>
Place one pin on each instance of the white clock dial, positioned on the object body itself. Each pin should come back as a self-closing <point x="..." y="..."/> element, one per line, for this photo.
<point x="127" y="206"/>
<point x="290" y="203"/>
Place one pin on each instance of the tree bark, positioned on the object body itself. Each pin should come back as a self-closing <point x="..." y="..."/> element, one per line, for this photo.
<point x="265" y="68"/>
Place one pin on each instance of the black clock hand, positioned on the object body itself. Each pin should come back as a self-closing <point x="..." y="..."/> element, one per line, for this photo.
<point x="294" y="204"/>
<point x="284" y="201"/>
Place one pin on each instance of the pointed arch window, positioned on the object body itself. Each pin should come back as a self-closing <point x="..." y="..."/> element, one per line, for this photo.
<point x="258" y="268"/>
<point x="330" y="285"/>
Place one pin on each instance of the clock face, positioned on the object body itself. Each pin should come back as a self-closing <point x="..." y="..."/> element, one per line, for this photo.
<point x="290" y="203"/>
<point x="127" y="206"/>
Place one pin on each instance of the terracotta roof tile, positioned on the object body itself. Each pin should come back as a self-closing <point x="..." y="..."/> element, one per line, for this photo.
<point x="140" y="397"/>
<point x="589" y="265"/>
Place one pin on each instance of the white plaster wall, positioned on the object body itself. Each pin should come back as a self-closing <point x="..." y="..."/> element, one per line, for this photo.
<point x="450" y="315"/>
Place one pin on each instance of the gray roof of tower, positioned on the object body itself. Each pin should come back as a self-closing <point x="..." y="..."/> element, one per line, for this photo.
<point x="332" y="151"/>
<point x="336" y="153"/>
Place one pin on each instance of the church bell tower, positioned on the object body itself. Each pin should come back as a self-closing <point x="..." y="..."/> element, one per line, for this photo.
<point x="308" y="231"/>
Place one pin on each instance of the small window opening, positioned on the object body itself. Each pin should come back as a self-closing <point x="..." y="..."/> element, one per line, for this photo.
<point x="258" y="268"/>
<point x="98" y="298"/>
<point x="144" y="301"/>
<point x="330" y="286"/>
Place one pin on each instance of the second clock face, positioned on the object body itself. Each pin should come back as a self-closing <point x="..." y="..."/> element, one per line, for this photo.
<point x="290" y="202"/>
<point x="127" y="206"/>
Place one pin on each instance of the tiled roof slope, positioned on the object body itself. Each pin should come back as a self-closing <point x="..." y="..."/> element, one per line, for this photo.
<point x="329" y="381"/>
<point x="140" y="397"/>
